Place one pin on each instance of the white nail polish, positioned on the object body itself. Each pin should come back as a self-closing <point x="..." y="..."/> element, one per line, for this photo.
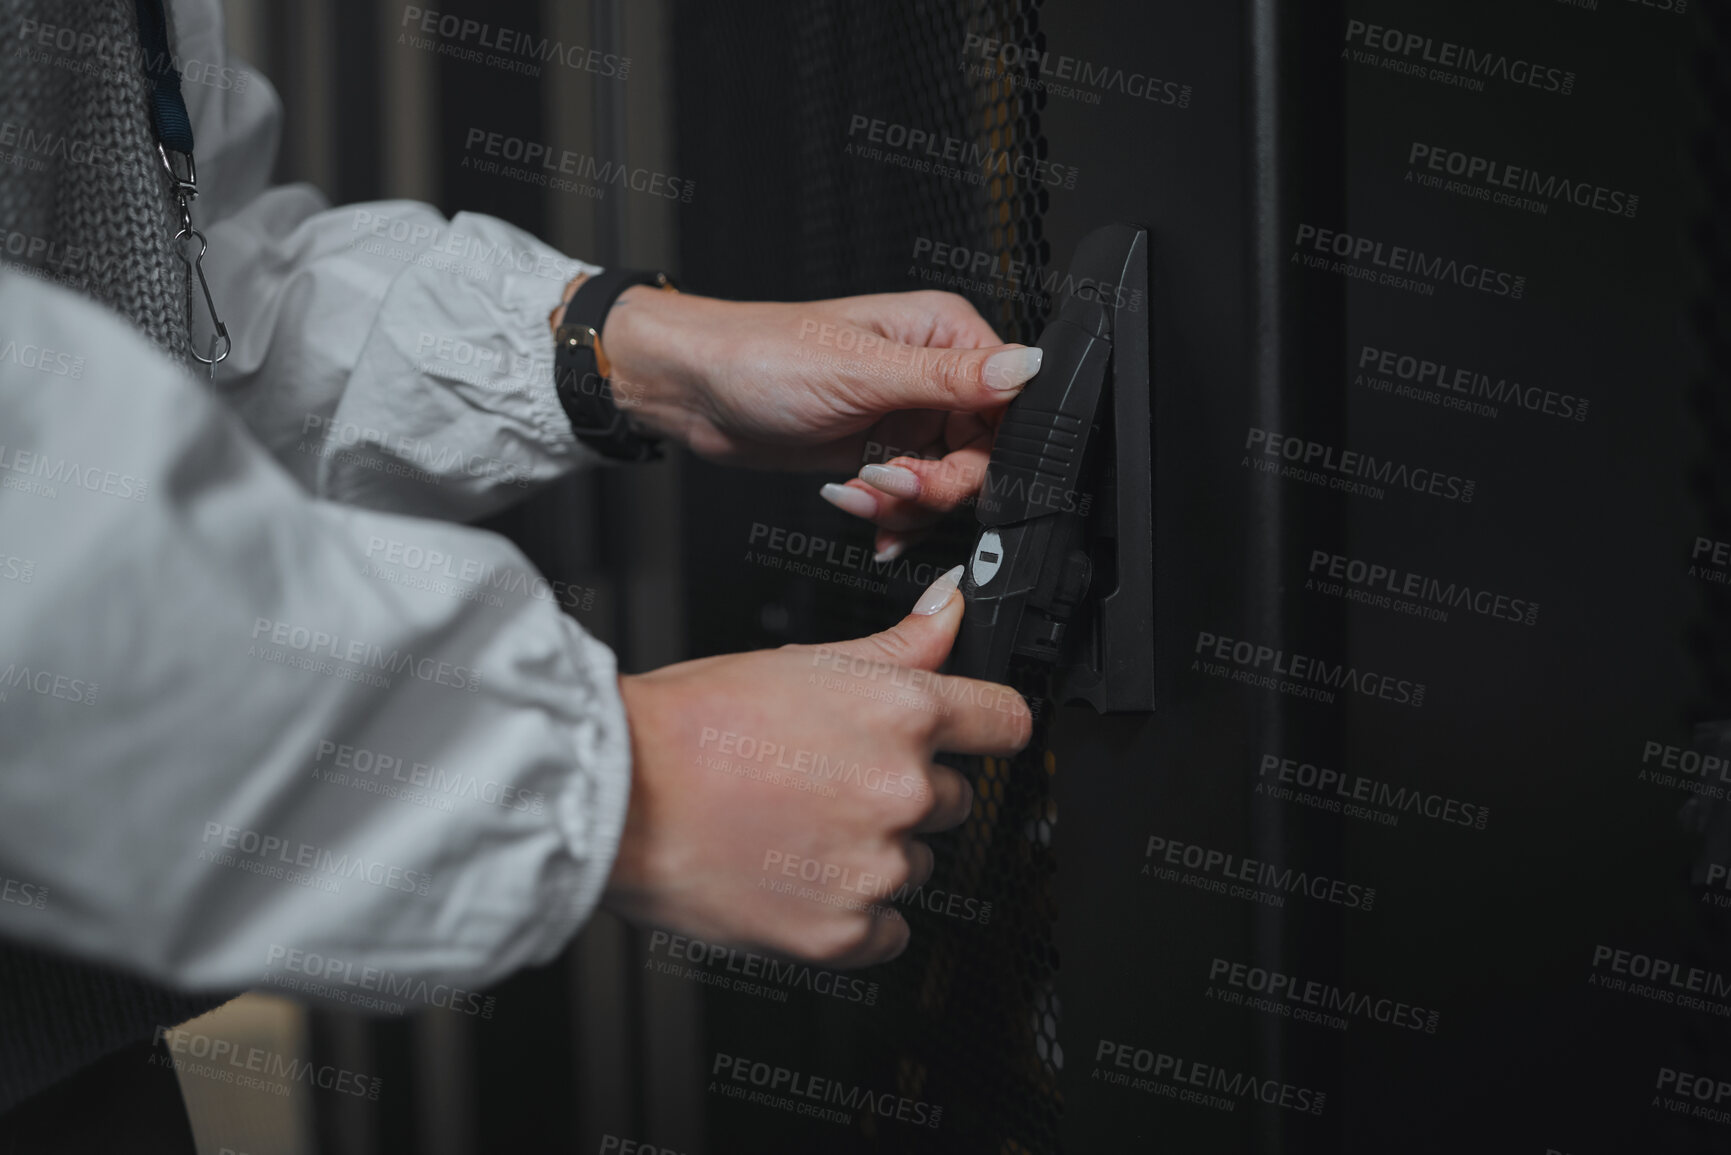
<point x="939" y="593"/>
<point x="889" y="552"/>
<point x="892" y="479"/>
<point x="849" y="500"/>
<point x="1013" y="368"/>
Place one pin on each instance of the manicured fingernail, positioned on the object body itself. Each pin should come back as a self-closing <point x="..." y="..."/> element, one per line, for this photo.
<point x="849" y="500"/>
<point x="892" y="479"/>
<point x="890" y="551"/>
<point x="1012" y="368"/>
<point x="939" y="593"/>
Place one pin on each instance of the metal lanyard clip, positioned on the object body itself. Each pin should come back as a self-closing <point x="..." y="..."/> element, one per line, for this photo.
<point x="185" y="192"/>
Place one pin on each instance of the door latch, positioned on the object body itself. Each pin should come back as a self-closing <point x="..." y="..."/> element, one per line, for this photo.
<point x="1062" y="570"/>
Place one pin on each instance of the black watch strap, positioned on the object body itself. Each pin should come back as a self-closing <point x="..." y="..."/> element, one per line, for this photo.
<point x="580" y="376"/>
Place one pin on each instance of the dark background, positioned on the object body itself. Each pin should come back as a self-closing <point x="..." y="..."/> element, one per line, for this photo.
<point x="1495" y="929"/>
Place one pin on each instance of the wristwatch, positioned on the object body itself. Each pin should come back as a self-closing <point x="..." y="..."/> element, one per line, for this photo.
<point x="581" y="373"/>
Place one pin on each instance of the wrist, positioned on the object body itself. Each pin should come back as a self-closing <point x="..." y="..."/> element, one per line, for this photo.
<point x="622" y="880"/>
<point x="653" y="340"/>
<point x="653" y="368"/>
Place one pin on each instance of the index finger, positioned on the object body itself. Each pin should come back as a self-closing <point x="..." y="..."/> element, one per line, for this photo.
<point x="977" y="717"/>
<point x="914" y="492"/>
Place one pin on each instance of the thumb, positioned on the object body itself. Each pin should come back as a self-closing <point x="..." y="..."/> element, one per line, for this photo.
<point x="955" y="380"/>
<point x="922" y="640"/>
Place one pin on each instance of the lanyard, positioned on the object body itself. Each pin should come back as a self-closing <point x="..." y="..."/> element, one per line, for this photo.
<point x="173" y="129"/>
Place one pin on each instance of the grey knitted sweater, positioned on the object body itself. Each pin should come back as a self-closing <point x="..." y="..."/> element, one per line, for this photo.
<point x="84" y="201"/>
<point x="83" y="195"/>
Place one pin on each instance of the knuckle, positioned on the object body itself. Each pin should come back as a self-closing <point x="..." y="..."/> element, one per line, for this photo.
<point x="897" y="870"/>
<point x="935" y="300"/>
<point x="948" y="812"/>
<point x="908" y="801"/>
<point x="906" y="718"/>
<point x="919" y="787"/>
<point x="964" y="802"/>
<point x="954" y="487"/>
<point x="901" y="934"/>
<point x="894" y="647"/>
<point x="838" y="939"/>
<point x="954" y="372"/>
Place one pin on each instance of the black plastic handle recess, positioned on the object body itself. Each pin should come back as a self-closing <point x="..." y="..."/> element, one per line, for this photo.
<point x="1030" y="568"/>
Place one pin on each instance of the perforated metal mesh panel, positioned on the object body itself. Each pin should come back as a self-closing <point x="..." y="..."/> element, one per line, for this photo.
<point x="1710" y="477"/>
<point x="769" y="105"/>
